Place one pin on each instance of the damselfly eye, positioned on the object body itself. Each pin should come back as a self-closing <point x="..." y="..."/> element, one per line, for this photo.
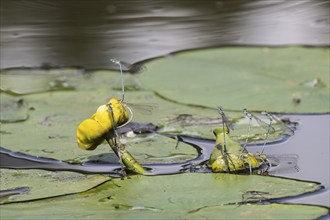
<point x="133" y="68"/>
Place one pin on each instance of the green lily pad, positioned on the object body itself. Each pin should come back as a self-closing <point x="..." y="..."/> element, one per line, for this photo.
<point x="50" y="129"/>
<point x="202" y="127"/>
<point x="22" y="81"/>
<point x="12" y="109"/>
<point x="175" y="197"/>
<point x="50" y="132"/>
<point x="291" y="80"/>
<point x="213" y="188"/>
<point x="43" y="184"/>
<point x="271" y="211"/>
<point x="155" y="148"/>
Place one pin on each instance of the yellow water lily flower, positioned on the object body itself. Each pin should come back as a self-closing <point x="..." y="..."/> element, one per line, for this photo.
<point x="235" y="159"/>
<point x="92" y="132"/>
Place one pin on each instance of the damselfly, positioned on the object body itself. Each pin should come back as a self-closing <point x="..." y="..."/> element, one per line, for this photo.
<point x="103" y="126"/>
<point x="228" y="156"/>
<point x="233" y="160"/>
<point x="146" y="108"/>
<point x="274" y="125"/>
<point x="133" y="68"/>
<point x="267" y="127"/>
<point x="130" y="67"/>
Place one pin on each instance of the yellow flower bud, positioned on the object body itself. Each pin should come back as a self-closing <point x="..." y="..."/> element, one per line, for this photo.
<point x="121" y="115"/>
<point x="90" y="134"/>
<point x="104" y="117"/>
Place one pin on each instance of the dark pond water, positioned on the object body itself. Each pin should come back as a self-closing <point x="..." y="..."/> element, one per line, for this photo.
<point x="311" y="144"/>
<point x="87" y="33"/>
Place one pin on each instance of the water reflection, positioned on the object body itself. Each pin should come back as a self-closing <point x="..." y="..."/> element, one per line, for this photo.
<point x="87" y="33"/>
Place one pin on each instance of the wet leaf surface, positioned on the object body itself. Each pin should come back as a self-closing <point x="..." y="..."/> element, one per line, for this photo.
<point x="22" y="81"/>
<point x="50" y="132"/>
<point x="13" y="109"/>
<point x="271" y="211"/>
<point x="171" y="197"/>
<point x="42" y="184"/>
<point x="290" y="80"/>
<point x="50" y="129"/>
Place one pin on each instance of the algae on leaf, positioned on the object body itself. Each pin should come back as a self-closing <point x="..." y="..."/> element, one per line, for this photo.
<point x="260" y="79"/>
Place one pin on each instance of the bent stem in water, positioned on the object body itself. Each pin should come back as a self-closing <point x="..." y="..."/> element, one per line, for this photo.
<point x="126" y="158"/>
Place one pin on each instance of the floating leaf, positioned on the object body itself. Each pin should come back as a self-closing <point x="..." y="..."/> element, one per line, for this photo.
<point x="28" y="80"/>
<point x="155" y="148"/>
<point x="271" y="211"/>
<point x="271" y="79"/>
<point x="50" y="130"/>
<point x="12" y="109"/>
<point x="184" y="196"/>
<point x="43" y="184"/>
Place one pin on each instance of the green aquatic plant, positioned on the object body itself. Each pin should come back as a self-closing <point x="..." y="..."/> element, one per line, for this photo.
<point x="232" y="158"/>
<point x="138" y="196"/>
<point x="103" y="126"/>
<point x="286" y="79"/>
<point x="218" y="195"/>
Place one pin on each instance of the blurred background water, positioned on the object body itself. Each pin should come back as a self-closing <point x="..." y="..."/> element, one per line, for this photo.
<point x="86" y="33"/>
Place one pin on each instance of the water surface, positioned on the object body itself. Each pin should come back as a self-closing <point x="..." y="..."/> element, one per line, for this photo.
<point x="87" y="33"/>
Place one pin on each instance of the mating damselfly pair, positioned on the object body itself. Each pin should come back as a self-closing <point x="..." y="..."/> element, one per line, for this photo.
<point x="228" y="155"/>
<point x="102" y="126"/>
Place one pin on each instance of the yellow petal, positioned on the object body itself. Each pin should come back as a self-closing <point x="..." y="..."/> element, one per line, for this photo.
<point x="104" y="117"/>
<point x="90" y="134"/>
<point x="121" y="115"/>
